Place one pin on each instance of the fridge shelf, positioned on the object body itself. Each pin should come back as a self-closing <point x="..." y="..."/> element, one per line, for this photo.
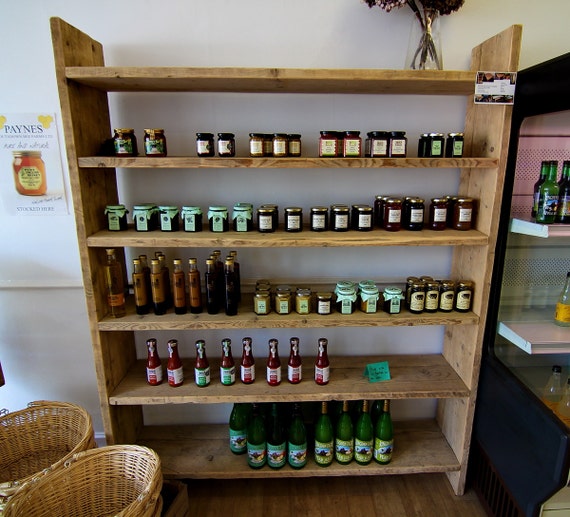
<point x="536" y="337"/>
<point x="533" y="229"/>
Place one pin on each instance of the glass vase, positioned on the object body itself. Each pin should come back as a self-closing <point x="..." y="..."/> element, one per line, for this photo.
<point x="424" y="46"/>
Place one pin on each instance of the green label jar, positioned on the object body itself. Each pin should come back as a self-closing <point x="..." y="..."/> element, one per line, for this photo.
<point x="116" y="217"/>
<point x="218" y="219"/>
<point x="192" y="218"/>
<point x="392" y="300"/>
<point x="242" y="218"/>
<point x="169" y="218"/>
<point x="145" y="217"/>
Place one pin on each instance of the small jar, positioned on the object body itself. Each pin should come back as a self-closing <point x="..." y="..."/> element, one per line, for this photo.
<point x="352" y="144"/>
<point x="29" y="169"/>
<point x="303" y="301"/>
<point x="432" y="296"/>
<point x="265" y="219"/>
<point x="116" y="217"/>
<point x="392" y="297"/>
<point x="192" y="218"/>
<point x="369" y="299"/>
<point x="392" y="217"/>
<point x="340" y="218"/>
<point x="205" y="145"/>
<point x="454" y="145"/>
<point x="294" y="147"/>
<point x="283" y="299"/>
<point x="436" y="145"/>
<point x="417" y="297"/>
<point x="414" y="214"/>
<point x="437" y="214"/>
<point x="345" y="300"/>
<point x="169" y="221"/>
<point x="145" y="217"/>
<point x="319" y="218"/>
<point x="463" y="214"/>
<point x="446" y="295"/>
<point x="409" y="282"/>
<point x="364" y="218"/>
<point x="275" y="212"/>
<point x="293" y="219"/>
<point x="218" y="219"/>
<point x="262" y="284"/>
<point x="154" y="142"/>
<point x="256" y="145"/>
<point x="378" y="144"/>
<point x="226" y="145"/>
<point x="125" y="142"/>
<point x="262" y="302"/>
<point x="398" y="144"/>
<point x="328" y="144"/>
<point x="423" y="145"/>
<point x="242" y="218"/>
<point x="324" y="305"/>
<point x="280" y="145"/>
<point x="267" y="144"/>
<point x="463" y="296"/>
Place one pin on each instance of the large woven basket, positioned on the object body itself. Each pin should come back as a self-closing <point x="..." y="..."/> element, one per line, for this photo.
<point x="117" y="480"/>
<point x="41" y="436"/>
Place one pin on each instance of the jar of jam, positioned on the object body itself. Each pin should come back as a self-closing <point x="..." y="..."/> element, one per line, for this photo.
<point x="256" y="145"/>
<point x="267" y="144"/>
<point x="414" y="214"/>
<point x="339" y="218"/>
<point x="226" y="145"/>
<point x="319" y="218"/>
<point x="409" y="282"/>
<point x="463" y="213"/>
<point x="352" y="144"/>
<point x="283" y="299"/>
<point x="116" y="217"/>
<point x="169" y="221"/>
<point x="438" y="214"/>
<point x="392" y="297"/>
<point x="377" y="144"/>
<point x="293" y="219"/>
<point x="265" y="219"/>
<point x="242" y="218"/>
<point x="423" y="145"/>
<point x="324" y="305"/>
<point x="417" y="297"/>
<point x="328" y="144"/>
<point x="303" y="301"/>
<point x="346" y="299"/>
<point x="392" y="217"/>
<point x="340" y="144"/>
<point x="154" y="142"/>
<point x="125" y="142"/>
<point x="435" y="148"/>
<point x="294" y="146"/>
<point x="363" y="219"/>
<point x="463" y="296"/>
<point x="398" y="144"/>
<point x="432" y="296"/>
<point x="192" y="218"/>
<point x="369" y="299"/>
<point x="446" y="295"/>
<point x="454" y="145"/>
<point x="379" y="210"/>
<point x="275" y="213"/>
<point x="145" y="217"/>
<point x="218" y="219"/>
<point x="450" y="208"/>
<point x="205" y="145"/>
<point x="280" y="145"/>
<point x="29" y="173"/>
<point x="262" y="302"/>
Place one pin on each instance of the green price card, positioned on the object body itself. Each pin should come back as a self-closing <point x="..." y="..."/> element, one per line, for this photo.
<point x="377" y="372"/>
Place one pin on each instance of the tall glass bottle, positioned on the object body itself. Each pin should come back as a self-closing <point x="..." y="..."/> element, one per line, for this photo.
<point x="384" y="436"/>
<point x="562" y="312"/>
<point x="364" y="437"/>
<point x="297" y="440"/>
<point x="247" y="365"/>
<point x="324" y="438"/>
<point x="238" y="428"/>
<point x="544" y="168"/>
<point x="202" y="365"/>
<point x="376" y="411"/>
<point x="273" y="364"/>
<point x="294" y="365"/>
<point x="233" y="255"/>
<point x="115" y="285"/>
<point x="153" y="364"/>
<point x="178" y="287"/>
<point x="563" y="209"/>
<point x="230" y="288"/>
<point x="210" y="279"/>
<point x="563" y="407"/>
<point x="552" y="392"/>
<point x="219" y="267"/>
<point x="276" y="442"/>
<point x="256" y="440"/>
<point x="227" y="364"/>
<point x="194" y="287"/>
<point x="548" y="196"/>
<point x="161" y="257"/>
<point x="344" y="437"/>
<point x="146" y="272"/>
<point x="322" y="364"/>
<point x="158" y="288"/>
<point x="140" y="288"/>
<point x="174" y="366"/>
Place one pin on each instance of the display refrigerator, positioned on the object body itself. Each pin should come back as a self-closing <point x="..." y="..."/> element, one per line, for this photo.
<point x="520" y="452"/>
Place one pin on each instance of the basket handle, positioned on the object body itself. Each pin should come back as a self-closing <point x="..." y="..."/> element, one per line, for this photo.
<point x="4" y="411"/>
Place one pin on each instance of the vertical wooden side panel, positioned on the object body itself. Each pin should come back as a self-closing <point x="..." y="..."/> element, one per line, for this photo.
<point x="487" y="129"/>
<point x="86" y="124"/>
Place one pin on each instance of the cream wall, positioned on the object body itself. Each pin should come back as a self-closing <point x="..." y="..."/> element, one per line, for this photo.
<point x="44" y="341"/>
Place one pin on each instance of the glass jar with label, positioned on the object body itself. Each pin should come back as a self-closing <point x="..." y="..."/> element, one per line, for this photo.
<point x="364" y="218"/>
<point x="438" y="214"/>
<point x="192" y="218"/>
<point x="283" y="299"/>
<point x="423" y="145"/>
<point x="265" y="219"/>
<point x="303" y="301"/>
<point x="280" y="145"/>
<point x="275" y="212"/>
<point x="369" y="295"/>
<point x="414" y="214"/>
<point x="218" y="219"/>
<point x="154" y="142"/>
<point x="319" y="218"/>
<point x="454" y="145"/>
<point x="378" y="144"/>
<point x="324" y="303"/>
<point x="242" y="217"/>
<point x="446" y="295"/>
<point x="409" y="282"/>
<point x="293" y="219"/>
<point x="116" y="217"/>
<point x="262" y="302"/>
<point x="417" y="297"/>
<point x="463" y="213"/>
<point x="294" y="147"/>
<point x="398" y="144"/>
<point x="463" y="296"/>
<point x="169" y="221"/>
<point x="256" y="145"/>
<point x="267" y="144"/>
<point x="145" y="217"/>
<point x="29" y="169"/>
<point x="328" y="144"/>
<point x="205" y="145"/>
<point x="346" y="299"/>
<point x="340" y="218"/>
<point x="352" y="144"/>
<point x="226" y="145"/>
<point x="432" y="296"/>
<point x="392" y="217"/>
<point x="435" y="148"/>
<point x="392" y="297"/>
<point x="125" y="142"/>
<point x="379" y="210"/>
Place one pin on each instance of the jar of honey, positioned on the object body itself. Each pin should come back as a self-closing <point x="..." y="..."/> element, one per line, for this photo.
<point x="125" y="142"/>
<point x="280" y="145"/>
<point x="205" y="145"/>
<point x="29" y="173"/>
<point x="154" y="142"/>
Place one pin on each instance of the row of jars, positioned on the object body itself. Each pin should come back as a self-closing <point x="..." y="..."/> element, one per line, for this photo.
<point x="426" y="294"/>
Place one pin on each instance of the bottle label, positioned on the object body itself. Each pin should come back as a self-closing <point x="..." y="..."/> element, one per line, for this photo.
<point x="114" y="222"/>
<point x="238" y="440"/>
<point x="154" y="375"/>
<point x="273" y="375"/>
<point x="324" y="452"/>
<point x="302" y="306"/>
<point x="322" y="374"/>
<point x="297" y="455"/>
<point x="457" y="148"/>
<point x="227" y="375"/>
<point x="562" y="313"/>
<point x="276" y="455"/>
<point x="344" y="450"/>
<point x="202" y="376"/>
<point x="564" y="206"/>
<point x="294" y="373"/>
<point x="175" y="376"/>
<point x="363" y="450"/>
<point x="383" y="450"/>
<point x="256" y="455"/>
<point x="247" y="373"/>
<point x="116" y="300"/>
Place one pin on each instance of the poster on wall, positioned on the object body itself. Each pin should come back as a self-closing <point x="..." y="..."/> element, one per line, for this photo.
<point x="31" y="175"/>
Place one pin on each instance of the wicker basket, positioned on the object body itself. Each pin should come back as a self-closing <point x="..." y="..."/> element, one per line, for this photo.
<point x="117" y="480"/>
<point x="41" y="436"/>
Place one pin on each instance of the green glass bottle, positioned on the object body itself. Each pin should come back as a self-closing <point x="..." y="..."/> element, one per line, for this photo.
<point x="324" y="438"/>
<point x="297" y="440"/>
<point x="344" y="437"/>
<point x="384" y="436"/>
<point x="563" y="209"/>
<point x="238" y="428"/>
<point x="544" y="168"/>
<point x="548" y="196"/>
<point x="256" y="440"/>
<point x="376" y="411"/>
<point x="276" y="443"/>
<point x="363" y="437"/>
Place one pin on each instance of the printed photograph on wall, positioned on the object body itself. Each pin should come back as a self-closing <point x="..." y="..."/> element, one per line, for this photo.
<point x="31" y="175"/>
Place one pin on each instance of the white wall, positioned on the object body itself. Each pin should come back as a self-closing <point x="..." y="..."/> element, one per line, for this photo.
<point x="44" y="341"/>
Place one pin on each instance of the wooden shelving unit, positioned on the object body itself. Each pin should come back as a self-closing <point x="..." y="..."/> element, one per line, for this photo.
<point x="440" y="445"/>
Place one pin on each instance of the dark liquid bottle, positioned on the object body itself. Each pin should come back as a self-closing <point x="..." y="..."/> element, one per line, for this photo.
<point x="237" y="272"/>
<point x="179" y="288"/>
<point x="140" y="288"/>
<point x="158" y="288"/>
<point x="210" y="278"/>
<point x="544" y="168"/>
<point x="194" y="287"/>
<point x="563" y="209"/>
<point x="230" y="289"/>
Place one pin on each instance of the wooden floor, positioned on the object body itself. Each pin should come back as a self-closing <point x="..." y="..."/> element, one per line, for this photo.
<point x="422" y="495"/>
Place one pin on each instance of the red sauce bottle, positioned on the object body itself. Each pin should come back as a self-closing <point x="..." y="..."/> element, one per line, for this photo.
<point x="153" y="364"/>
<point x="322" y="364"/>
<point x="202" y="366"/>
<point x="227" y="365"/>
<point x="247" y="366"/>
<point x="294" y="366"/>
<point x="273" y="364"/>
<point x="174" y="366"/>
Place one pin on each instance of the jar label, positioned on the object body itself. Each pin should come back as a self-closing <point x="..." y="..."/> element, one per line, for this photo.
<point x="562" y="313"/>
<point x="432" y="300"/>
<point x="346" y="306"/>
<point x="283" y="307"/>
<point x="379" y="148"/>
<point x="261" y="306"/>
<point x="265" y="222"/>
<point x="398" y="147"/>
<point x="154" y="375"/>
<point x="322" y="374"/>
<point x="202" y="376"/>
<point x="295" y="148"/>
<point x="238" y="440"/>
<point x="256" y="454"/>
<point x="114" y="221"/>
<point x="279" y="147"/>
<point x="294" y="373"/>
<point x="247" y="373"/>
<point x="276" y="454"/>
<point x="30" y="178"/>
<point x="293" y="222"/>
<point x="153" y="146"/>
<point x="225" y="147"/>
<point x="363" y="450"/>
<point x="217" y="223"/>
<point x="463" y="300"/>
<point x="323" y="307"/>
<point x="341" y="221"/>
<point x="297" y="454"/>
<point x="142" y="223"/>
<point x="365" y="220"/>
<point x="439" y="215"/>
<point x="457" y="149"/>
<point x="446" y="300"/>
<point x="370" y="305"/>
<point x="302" y="306"/>
<point x="344" y="450"/>
<point x="227" y="375"/>
<point x="323" y="452"/>
<point x="351" y="147"/>
<point x="383" y="450"/>
<point x="395" y="305"/>
<point x="203" y="147"/>
<point x="166" y="223"/>
<point x="436" y="148"/>
<point x="318" y="221"/>
<point x="465" y="215"/>
<point x="273" y="375"/>
<point x="175" y="376"/>
<point x="256" y="147"/>
<point x="416" y="215"/>
<point x="417" y="301"/>
<point x="123" y="146"/>
<point x="327" y="147"/>
<point x="394" y="215"/>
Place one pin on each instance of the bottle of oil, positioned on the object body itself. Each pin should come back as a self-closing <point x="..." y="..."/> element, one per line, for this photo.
<point x="140" y="289"/>
<point x="158" y="288"/>
<point x="115" y="285"/>
<point x="178" y="288"/>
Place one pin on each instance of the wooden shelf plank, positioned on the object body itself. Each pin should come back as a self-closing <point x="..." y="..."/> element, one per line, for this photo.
<point x="273" y="80"/>
<point x="192" y="162"/>
<point x="412" y="376"/>
<point x="203" y="452"/>
<point x="281" y="238"/>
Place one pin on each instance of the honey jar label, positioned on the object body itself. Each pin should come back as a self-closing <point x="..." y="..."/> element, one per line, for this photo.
<point x="30" y="178"/>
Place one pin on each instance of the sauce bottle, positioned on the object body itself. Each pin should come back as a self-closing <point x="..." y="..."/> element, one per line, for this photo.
<point x="227" y="365"/>
<point x="247" y="366"/>
<point x="273" y="364"/>
<point x="153" y="364"/>
<point x="194" y="287"/>
<point x="179" y="288"/>
<point x="294" y="366"/>
<point x="202" y="365"/>
<point x="174" y="366"/>
<point x="322" y="364"/>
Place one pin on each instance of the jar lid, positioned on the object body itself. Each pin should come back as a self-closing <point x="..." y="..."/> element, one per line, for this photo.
<point x="144" y="206"/>
<point x="294" y="136"/>
<point x="269" y="205"/>
<point x="256" y="135"/>
<point x="204" y="136"/>
<point x="424" y="135"/>
<point x="324" y="296"/>
<point x="340" y="208"/>
<point x="283" y="288"/>
<point x="465" y="283"/>
<point x="454" y="135"/>
<point x="447" y="283"/>
<point x="438" y="135"/>
<point x="31" y="154"/>
<point x="398" y="133"/>
<point x="464" y="200"/>
<point x="366" y="283"/>
<point x="293" y="209"/>
<point x="319" y="209"/>
<point x="378" y="134"/>
<point x="364" y="208"/>
<point x="415" y="200"/>
<point x="225" y="136"/>
<point x="301" y="291"/>
<point x="395" y="200"/>
<point x="192" y="210"/>
<point x="329" y="133"/>
<point x="115" y="207"/>
<point x="280" y="135"/>
<point x="158" y="130"/>
<point x="439" y="200"/>
<point x="265" y="210"/>
<point x="352" y="133"/>
<point x="215" y="208"/>
<point x="125" y="130"/>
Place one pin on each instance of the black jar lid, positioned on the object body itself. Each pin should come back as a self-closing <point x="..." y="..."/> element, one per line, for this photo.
<point x="257" y="135"/>
<point x="352" y="133"/>
<point x="225" y="136"/>
<point x="397" y="133"/>
<point x="378" y="134"/>
<point x="294" y="136"/>
<point x="204" y="136"/>
<point x="280" y="135"/>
